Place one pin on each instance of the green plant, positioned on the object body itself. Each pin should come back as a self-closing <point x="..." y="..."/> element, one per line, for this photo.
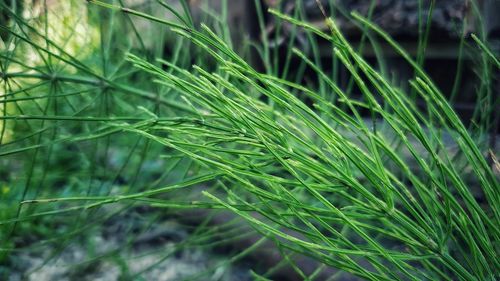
<point x="390" y="197"/>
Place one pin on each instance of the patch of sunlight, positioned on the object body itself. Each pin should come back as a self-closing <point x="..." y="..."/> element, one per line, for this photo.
<point x="66" y="24"/>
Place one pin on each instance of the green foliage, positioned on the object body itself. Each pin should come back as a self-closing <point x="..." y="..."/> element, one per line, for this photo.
<point x="405" y="194"/>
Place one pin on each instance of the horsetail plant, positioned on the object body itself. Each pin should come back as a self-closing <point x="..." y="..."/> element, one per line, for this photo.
<point x="405" y="194"/>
